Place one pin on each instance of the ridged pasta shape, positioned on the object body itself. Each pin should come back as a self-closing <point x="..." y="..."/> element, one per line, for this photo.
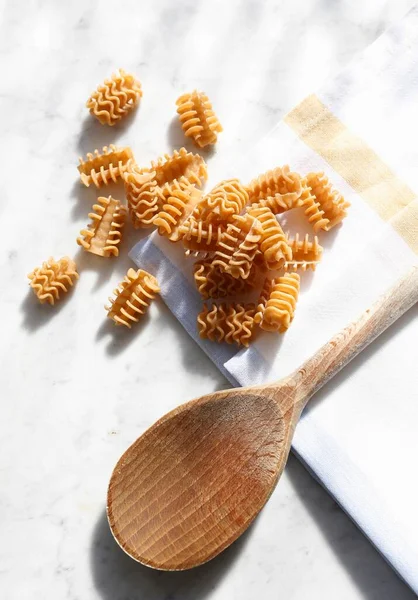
<point x="115" y="98"/>
<point x="105" y="167"/>
<point x="226" y="247"/>
<point x="53" y="279"/>
<point x="279" y="183"/>
<point x="236" y="251"/>
<point x="132" y="297"/>
<point x="180" y="164"/>
<point x="331" y="202"/>
<point x="178" y="206"/>
<point x="306" y="253"/>
<point x="104" y="233"/>
<point x="313" y="210"/>
<point x="242" y="259"/>
<point x="273" y="243"/>
<point x="141" y="190"/>
<point x="213" y="283"/>
<point x="276" y="308"/>
<point x="230" y="323"/>
<point x="198" y="236"/>
<point x="280" y="203"/>
<point x="223" y="203"/>
<point x="198" y="119"/>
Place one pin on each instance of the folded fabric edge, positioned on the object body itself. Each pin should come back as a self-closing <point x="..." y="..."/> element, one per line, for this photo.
<point x="249" y="365"/>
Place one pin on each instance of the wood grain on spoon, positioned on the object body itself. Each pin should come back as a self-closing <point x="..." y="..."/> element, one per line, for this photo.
<point x="192" y="483"/>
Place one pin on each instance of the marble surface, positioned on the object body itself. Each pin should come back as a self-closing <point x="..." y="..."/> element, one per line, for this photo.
<point x="76" y="391"/>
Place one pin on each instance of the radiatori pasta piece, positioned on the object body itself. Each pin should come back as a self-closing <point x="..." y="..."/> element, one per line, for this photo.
<point x="53" y="279"/>
<point x="200" y="237"/>
<point x="306" y="253"/>
<point x="114" y="98"/>
<point x="242" y="259"/>
<point x="279" y="183"/>
<point x="273" y="243"/>
<point x="142" y="195"/>
<point x="231" y="323"/>
<point x="223" y="203"/>
<point x="198" y="119"/>
<point x="332" y="204"/>
<point x="178" y="205"/>
<point x="276" y="307"/>
<point x="104" y="234"/>
<point x="226" y="247"/>
<point x="106" y="167"/>
<point x="132" y="297"/>
<point x="181" y="164"/>
<point x="313" y="209"/>
<point x="236" y="250"/>
<point x="213" y="283"/>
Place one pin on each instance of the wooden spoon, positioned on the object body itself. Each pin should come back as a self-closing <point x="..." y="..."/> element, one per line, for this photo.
<point x="194" y="481"/>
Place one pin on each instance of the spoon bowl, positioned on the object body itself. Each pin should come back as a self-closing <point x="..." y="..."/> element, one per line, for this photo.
<point x="193" y="482"/>
<point x="190" y="486"/>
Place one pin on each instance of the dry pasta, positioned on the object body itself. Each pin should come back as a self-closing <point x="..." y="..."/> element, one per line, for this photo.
<point x="232" y="323"/>
<point x="313" y="209"/>
<point x="223" y="203"/>
<point x="242" y="259"/>
<point x="213" y="283"/>
<point x="332" y="204"/>
<point x="226" y="247"/>
<point x="277" y="304"/>
<point x="306" y="253"/>
<point x="132" y="297"/>
<point x="198" y="119"/>
<point x="280" y="203"/>
<point x="142" y="196"/>
<point x="180" y="164"/>
<point x="53" y="278"/>
<point x="200" y="237"/>
<point x="104" y="233"/>
<point x="277" y="183"/>
<point x="233" y="229"/>
<point x="179" y="203"/>
<point x="105" y="167"/>
<point x="273" y="243"/>
<point x="236" y="250"/>
<point x="114" y="98"/>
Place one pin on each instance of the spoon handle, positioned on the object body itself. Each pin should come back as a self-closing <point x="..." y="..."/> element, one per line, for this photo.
<point x="334" y="355"/>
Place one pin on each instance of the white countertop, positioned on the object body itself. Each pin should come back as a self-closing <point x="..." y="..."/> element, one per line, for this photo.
<point x="76" y="390"/>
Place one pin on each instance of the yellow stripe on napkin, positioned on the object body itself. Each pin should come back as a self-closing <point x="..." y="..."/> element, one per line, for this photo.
<point x="359" y="165"/>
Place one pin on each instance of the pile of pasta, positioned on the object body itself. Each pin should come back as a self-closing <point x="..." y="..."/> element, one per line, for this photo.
<point x="247" y="269"/>
<point x="240" y="248"/>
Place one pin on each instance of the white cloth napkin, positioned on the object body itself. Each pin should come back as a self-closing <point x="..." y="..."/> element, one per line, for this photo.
<point x="359" y="434"/>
